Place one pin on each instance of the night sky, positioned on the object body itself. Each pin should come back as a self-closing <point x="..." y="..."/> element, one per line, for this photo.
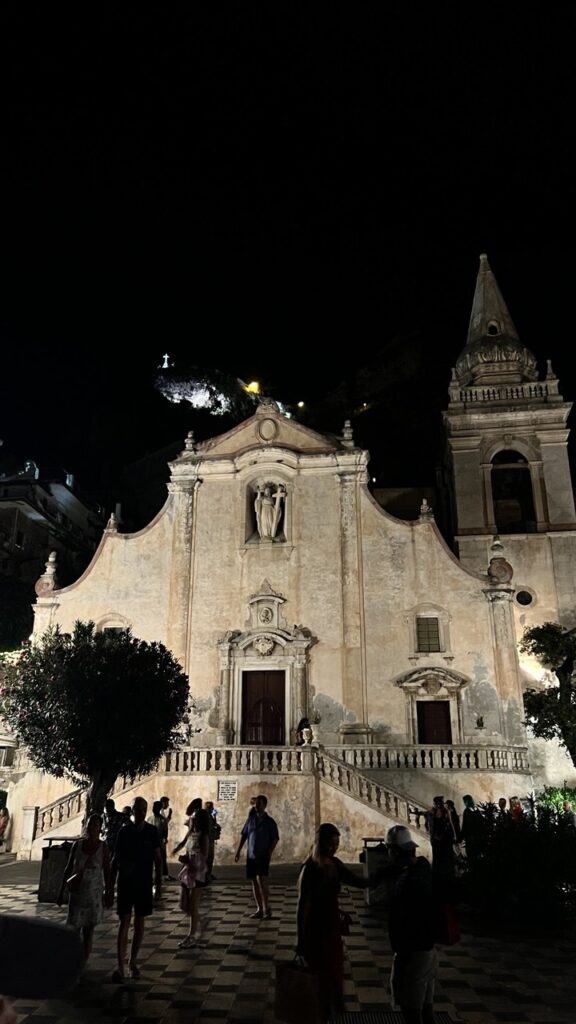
<point x="288" y="195"/>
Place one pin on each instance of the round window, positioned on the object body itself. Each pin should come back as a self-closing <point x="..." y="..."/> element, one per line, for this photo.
<point x="524" y="597"/>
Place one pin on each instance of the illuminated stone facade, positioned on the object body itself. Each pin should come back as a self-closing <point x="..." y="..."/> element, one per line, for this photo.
<point x="288" y="593"/>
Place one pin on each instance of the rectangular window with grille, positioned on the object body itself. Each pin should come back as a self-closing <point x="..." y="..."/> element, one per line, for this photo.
<point x="427" y="634"/>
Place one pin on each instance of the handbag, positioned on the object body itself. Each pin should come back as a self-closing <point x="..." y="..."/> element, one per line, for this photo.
<point x="299" y="997"/>
<point x="345" y="922"/>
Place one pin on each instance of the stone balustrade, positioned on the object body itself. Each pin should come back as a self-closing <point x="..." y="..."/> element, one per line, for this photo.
<point x="59" y="812"/>
<point x="349" y="780"/>
<point x="502" y="393"/>
<point x="456" y="758"/>
<point x="237" y="760"/>
<point x="342" y="767"/>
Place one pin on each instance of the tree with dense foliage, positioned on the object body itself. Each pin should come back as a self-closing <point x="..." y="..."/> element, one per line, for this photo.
<point x="551" y="712"/>
<point x="92" y="706"/>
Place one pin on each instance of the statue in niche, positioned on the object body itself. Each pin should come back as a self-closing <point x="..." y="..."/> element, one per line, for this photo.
<point x="268" y="508"/>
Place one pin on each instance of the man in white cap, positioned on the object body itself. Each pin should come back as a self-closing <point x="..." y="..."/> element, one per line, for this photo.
<point x="412" y="929"/>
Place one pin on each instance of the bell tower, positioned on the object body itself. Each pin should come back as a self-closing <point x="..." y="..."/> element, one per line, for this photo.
<point x="507" y="452"/>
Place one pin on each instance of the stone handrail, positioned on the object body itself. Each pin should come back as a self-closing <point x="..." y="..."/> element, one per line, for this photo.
<point x="436" y="757"/>
<point x="235" y="760"/>
<point x="349" y="780"/>
<point x="341" y="767"/>
<point x="59" y="812"/>
<point x="70" y="806"/>
<point x="238" y="760"/>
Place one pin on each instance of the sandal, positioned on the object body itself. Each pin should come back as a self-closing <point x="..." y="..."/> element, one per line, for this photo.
<point x="187" y="943"/>
<point x="256" y="915"/>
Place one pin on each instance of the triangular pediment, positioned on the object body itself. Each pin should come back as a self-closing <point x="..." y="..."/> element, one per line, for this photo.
<point x="267" y="428"/>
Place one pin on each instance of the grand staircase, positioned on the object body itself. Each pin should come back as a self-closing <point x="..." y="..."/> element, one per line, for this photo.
<point x="377" y="777"/>
<point x="65" y="814"/>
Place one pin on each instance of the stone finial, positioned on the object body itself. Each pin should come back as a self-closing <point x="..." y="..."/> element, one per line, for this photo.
<point x="347" y="435"/>
<point x="190" y="443"/>
<point x="497" y="546"/>
<point x="267" y="407"/>
<point x="112" y="524"/>
<point x="550" y="375"/>
<point x="47" y="581"/>
<point x="426" y="511"/>
<point x="500" y="571"/>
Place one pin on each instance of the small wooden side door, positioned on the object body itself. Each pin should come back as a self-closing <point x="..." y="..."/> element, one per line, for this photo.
<point x="434" y="725"/>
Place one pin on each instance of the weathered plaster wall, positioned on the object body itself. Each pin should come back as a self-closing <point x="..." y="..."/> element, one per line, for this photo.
<point x="129" y="578"/>
<point x="406" y="566"/>
<point x="298" y="803"/>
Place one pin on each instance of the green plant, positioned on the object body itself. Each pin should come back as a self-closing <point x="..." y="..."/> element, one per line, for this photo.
<point x="93" y="706"/>
<point x="554" y="796"/>
<point x="551" y="712"/>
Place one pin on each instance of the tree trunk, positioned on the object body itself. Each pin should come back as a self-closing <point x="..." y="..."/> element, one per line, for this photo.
<point x="100" y="785"/>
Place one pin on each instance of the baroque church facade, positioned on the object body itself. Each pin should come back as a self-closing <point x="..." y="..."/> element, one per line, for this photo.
<point x="288" y="593"/>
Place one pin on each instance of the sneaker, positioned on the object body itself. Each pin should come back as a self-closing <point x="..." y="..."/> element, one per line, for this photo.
<point x="187" y="943"/>
<point x="118" y="976"/>
<point x="258" y="914"/>
<point x="267" y="915"/>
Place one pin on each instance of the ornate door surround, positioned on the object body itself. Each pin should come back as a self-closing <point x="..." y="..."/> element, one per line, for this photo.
<point x="266" y="644"/>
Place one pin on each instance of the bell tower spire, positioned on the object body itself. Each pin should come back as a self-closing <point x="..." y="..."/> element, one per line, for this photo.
<point x="494" y="353"/>
<point x="507" y="448"/>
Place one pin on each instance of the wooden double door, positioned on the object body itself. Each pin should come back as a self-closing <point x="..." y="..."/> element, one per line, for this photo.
<point x="264" y="708"/>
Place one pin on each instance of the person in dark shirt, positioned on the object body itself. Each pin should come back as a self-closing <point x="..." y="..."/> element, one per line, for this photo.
<point x="137" y="852"/>
<point x="412" y="926"/>
<point x="113" y="822"/>
<point x="261" y="833"/>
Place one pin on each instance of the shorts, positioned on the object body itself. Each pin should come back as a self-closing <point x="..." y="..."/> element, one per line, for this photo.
<point x="257" y="866"/>
<point x="412" y="979"/>
<point x="134" y="896"/>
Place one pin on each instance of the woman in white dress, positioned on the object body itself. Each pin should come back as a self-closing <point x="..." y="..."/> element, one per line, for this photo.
<point x="88" y="877"/>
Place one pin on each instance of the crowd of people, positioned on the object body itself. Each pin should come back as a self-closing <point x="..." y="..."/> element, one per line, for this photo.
<point x="125" y="854"/>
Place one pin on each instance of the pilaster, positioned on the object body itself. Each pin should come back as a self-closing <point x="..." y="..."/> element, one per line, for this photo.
<point x="353" y="660"/>
<point x="183" y="494"/>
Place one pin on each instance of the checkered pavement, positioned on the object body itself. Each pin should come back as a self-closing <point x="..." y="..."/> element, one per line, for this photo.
<point x="483" y="980"/>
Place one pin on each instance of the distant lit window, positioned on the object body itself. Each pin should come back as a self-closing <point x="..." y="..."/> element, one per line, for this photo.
<point x="427" y="634"/>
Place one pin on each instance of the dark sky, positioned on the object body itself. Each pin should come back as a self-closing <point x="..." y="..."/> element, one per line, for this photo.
<point x="283" y="194"/>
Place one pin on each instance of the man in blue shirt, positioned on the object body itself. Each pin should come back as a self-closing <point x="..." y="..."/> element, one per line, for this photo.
<point x="261" y="833"/>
